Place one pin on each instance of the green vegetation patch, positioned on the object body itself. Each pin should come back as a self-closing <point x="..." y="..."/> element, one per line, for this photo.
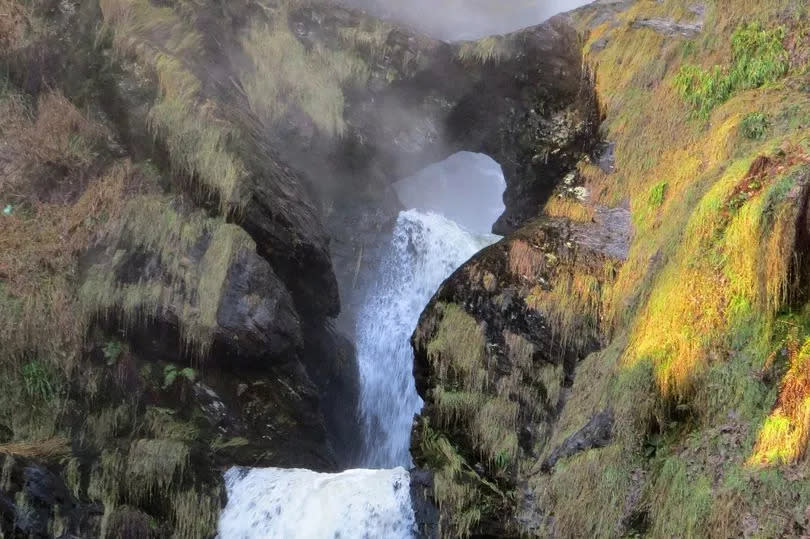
<point x="754" y="125"/>
<point x="758" y="57"/>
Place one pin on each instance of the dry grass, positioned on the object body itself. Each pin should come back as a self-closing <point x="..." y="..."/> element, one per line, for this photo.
<point x="12" y="20"/>
<point x="48" y="151"/>
<point x="569" y="208"/>
<point x="45" y="449"/>
<point x="41" y="239"/>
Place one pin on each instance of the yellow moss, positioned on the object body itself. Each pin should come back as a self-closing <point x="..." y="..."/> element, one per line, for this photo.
<point x="195" y="513"/>
<point x="153" y="466"/>
<point x="190" y="289"/>
<point x="285" y="73"/>
<point x="784" y="436"/>
<point x="492" y="49"/>
<point x="572" y="209"/>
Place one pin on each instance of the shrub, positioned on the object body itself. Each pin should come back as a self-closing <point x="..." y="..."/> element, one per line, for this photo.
<point x="112" y="351"/>
<point x="754" y="125"/>
<point x="657" y="194"/>
<point x="37" y="380"/>
<point x="758" y="57"/>
<point x="171" y="373"/>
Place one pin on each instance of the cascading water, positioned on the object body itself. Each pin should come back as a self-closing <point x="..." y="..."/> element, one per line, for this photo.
<point x="424" y="250"/>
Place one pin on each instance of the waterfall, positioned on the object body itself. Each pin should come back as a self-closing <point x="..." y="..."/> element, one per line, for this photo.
<point x="425" y="248"/>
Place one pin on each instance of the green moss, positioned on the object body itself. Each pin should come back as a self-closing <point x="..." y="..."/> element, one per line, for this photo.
<point x="754" y="125"/>
<point x="286" y="74"/>
<point x="457" y="350"/>
<point x="657" y="194"/>
<point x="758" y="57"/>
<point x="199" y="147"/>
<point x="191" y="289"/>
<point x="163" y="423"/>
<point x="680" y="501"/>
<point x="464" y="497"/>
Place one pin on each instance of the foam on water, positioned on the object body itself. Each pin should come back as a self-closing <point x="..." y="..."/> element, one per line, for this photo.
<point x="280" y="503"/>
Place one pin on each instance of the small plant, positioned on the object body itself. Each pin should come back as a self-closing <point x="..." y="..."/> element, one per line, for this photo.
<point x="171" y="373"/>
<point x="502" y="460"/>
<point x="758" y="57"/>
<point x="112" y="351"/>
<point x="37" y="381"/>
<point x="754" y="125"/>
<point x="657" y="194"/>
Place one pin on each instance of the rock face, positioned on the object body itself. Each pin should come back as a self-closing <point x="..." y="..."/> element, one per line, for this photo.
<point x="523" y="99"/>
<point x="495" y="350"/>
<point x="189" y="279"/>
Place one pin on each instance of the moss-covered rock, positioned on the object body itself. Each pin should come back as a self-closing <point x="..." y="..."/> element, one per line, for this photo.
<point x="496" y="349"/>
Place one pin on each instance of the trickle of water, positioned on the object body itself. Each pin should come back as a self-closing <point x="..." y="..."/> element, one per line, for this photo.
<point x="285" y="503"/>
<point x="426" y="248"/>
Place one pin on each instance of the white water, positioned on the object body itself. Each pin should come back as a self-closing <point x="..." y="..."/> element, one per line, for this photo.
<point x="425" y="249"/>
<point x="357" y="504"/>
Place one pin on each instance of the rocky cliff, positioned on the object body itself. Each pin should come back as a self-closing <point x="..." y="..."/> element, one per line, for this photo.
<point x="168" y="289"/>
<point x="632" y="361"/>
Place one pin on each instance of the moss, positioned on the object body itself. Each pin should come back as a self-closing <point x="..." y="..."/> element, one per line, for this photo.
<point x="284" y="74"/>
<point x="758" y="57"/>
<point x="457" y="350"/>
<point x="195" y="513"/>
<point x="154" y="466"/>
<point x="199" y="147"/>
<point x="163" y="423"/>
<point x="105" y="479"/>
<point x="191" y="289"/>
<point x="463" y="496"/>
<point x="491" y="49"/>
<point x="680" y="502"/>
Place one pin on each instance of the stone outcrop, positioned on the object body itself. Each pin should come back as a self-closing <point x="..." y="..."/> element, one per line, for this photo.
<point x="496" y="349"/>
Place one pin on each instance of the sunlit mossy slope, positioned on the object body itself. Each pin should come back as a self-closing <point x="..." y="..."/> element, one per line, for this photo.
<point x="692" y="417"/>
<point x="708" y="106"/>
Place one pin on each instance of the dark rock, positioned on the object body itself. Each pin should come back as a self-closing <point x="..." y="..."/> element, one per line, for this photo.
<point x="425" y="511"/>
<point x="256" y="317"/>
<point x="596" y="433"/>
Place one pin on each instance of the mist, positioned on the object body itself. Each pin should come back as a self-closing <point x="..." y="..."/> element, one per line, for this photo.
<point x="455" y="20"/>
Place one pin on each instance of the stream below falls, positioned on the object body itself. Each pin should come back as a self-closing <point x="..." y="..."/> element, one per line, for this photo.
<point x="425" y="248"/>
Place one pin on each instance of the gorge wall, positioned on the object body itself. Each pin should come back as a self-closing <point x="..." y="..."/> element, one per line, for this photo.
<point x="168" y="285"/>
<point x="187" y="188"/>
<point x="631" y="361"/>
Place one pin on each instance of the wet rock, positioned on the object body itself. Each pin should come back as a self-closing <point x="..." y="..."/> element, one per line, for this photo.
<point x="425" y="511"/>
<point x="495" y="350"/>
<point x="596" y="433"/>
<point x="668" y="27"/>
